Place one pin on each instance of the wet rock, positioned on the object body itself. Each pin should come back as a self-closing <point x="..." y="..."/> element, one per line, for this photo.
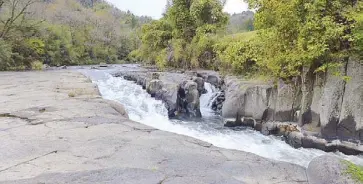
<point x="294" y="139"/>
<point x="294" y="136"/>
<point x="188" y="104"/>
<point x="232" y="123"/>
<point x="155" y="76"/>
<point x="317" y="143"/>
<point x="328" y="170"/>
<point x="350" y="148"/>
<point x="118" y="108"/>
<point x="269" y="128"/>
<point x="239" y="122"/>
<point x="217" y="103"/>
<point x="214" y="80"/>
<point x="142" y="82"/>
<point x="154" y="87"/>
<point x="278" y="128"/>
<point x="200" y="85"/>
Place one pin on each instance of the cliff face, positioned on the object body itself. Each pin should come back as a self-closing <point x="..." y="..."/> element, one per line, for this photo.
<point x="325" y="104"/>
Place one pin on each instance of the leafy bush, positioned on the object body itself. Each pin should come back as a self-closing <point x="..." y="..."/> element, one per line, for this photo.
<point x="37" y="65"/>
<point x="5" y="55"/>
<point x="238" y="53"/>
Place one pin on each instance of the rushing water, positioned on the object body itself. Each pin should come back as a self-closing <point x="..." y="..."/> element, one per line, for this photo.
<point x="142" y="108"/>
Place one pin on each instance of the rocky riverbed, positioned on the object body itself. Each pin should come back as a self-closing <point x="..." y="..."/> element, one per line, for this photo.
<point x="56" y="128"/>
<point x="284" y="110"/>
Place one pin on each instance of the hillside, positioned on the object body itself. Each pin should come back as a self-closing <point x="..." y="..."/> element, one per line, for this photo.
<point x="240" y="22"/>
<point x="65" y="32"/>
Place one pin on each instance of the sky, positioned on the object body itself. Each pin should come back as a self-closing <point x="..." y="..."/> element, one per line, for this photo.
<point x="155" y="8"/>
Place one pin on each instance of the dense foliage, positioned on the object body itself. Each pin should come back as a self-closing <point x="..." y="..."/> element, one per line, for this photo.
<point x="64" y="32"/>
<point x="290" y="35"/>
<point x="280" y="39"/>
<point x="305" y="33"/>
<point x="185" y="36"/>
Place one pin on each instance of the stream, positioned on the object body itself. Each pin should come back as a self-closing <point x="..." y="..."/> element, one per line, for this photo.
<point x="141" y="107"/>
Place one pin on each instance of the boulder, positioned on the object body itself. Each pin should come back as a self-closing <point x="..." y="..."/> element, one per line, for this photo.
<point x="329" y="170"/>
<point x="118" y="108"/>
<point x="217" y="103"/>
<point x="349" y="148"/>
<point x="317" y="143"/>
<point x="256" y="102"/>
<point x="200" y="85"/>
<point x="154" y="87"/>
<point x="246" y="100"/>
<point x="234" y="101"/>
<point x="294" y="139"/>
<point x="245" y="122"/>
<point x="155" y="76"/>
<point x="269" y="128"/>
<point x="188" y="105"/>
<point x="214" y="80"/>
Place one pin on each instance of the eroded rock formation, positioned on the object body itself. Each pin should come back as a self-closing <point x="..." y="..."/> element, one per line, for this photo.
<point x="327" y="106"/>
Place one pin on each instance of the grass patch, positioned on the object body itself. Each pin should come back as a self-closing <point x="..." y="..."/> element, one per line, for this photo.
<point x="71" y="94"/>
<point x="245" y="36"/>
<point x="355" y="171"/>
<point x="79" y="92"/>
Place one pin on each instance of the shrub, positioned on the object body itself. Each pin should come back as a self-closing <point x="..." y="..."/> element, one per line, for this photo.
<point x="5" y="55"/>
<point x="37" y="65"/>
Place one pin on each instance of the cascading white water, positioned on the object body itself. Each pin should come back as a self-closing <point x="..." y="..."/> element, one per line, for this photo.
<point x="142" y="108"/>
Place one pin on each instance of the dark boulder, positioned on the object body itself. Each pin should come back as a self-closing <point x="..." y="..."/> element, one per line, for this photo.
<point x="188" y="104"/>
<point x="214" y="80"/>
<point x="200" y="85"/>
<point x="154" y="87"/>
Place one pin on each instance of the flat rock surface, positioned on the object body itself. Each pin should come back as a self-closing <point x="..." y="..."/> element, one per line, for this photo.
<point x="55" y="128"/>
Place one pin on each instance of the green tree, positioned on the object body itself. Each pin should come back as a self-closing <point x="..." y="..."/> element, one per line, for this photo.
<point x="184" y="37"/>
<point x="302" y="33"/>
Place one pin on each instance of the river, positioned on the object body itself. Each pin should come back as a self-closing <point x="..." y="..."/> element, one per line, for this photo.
<point x="141" y="107"/>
